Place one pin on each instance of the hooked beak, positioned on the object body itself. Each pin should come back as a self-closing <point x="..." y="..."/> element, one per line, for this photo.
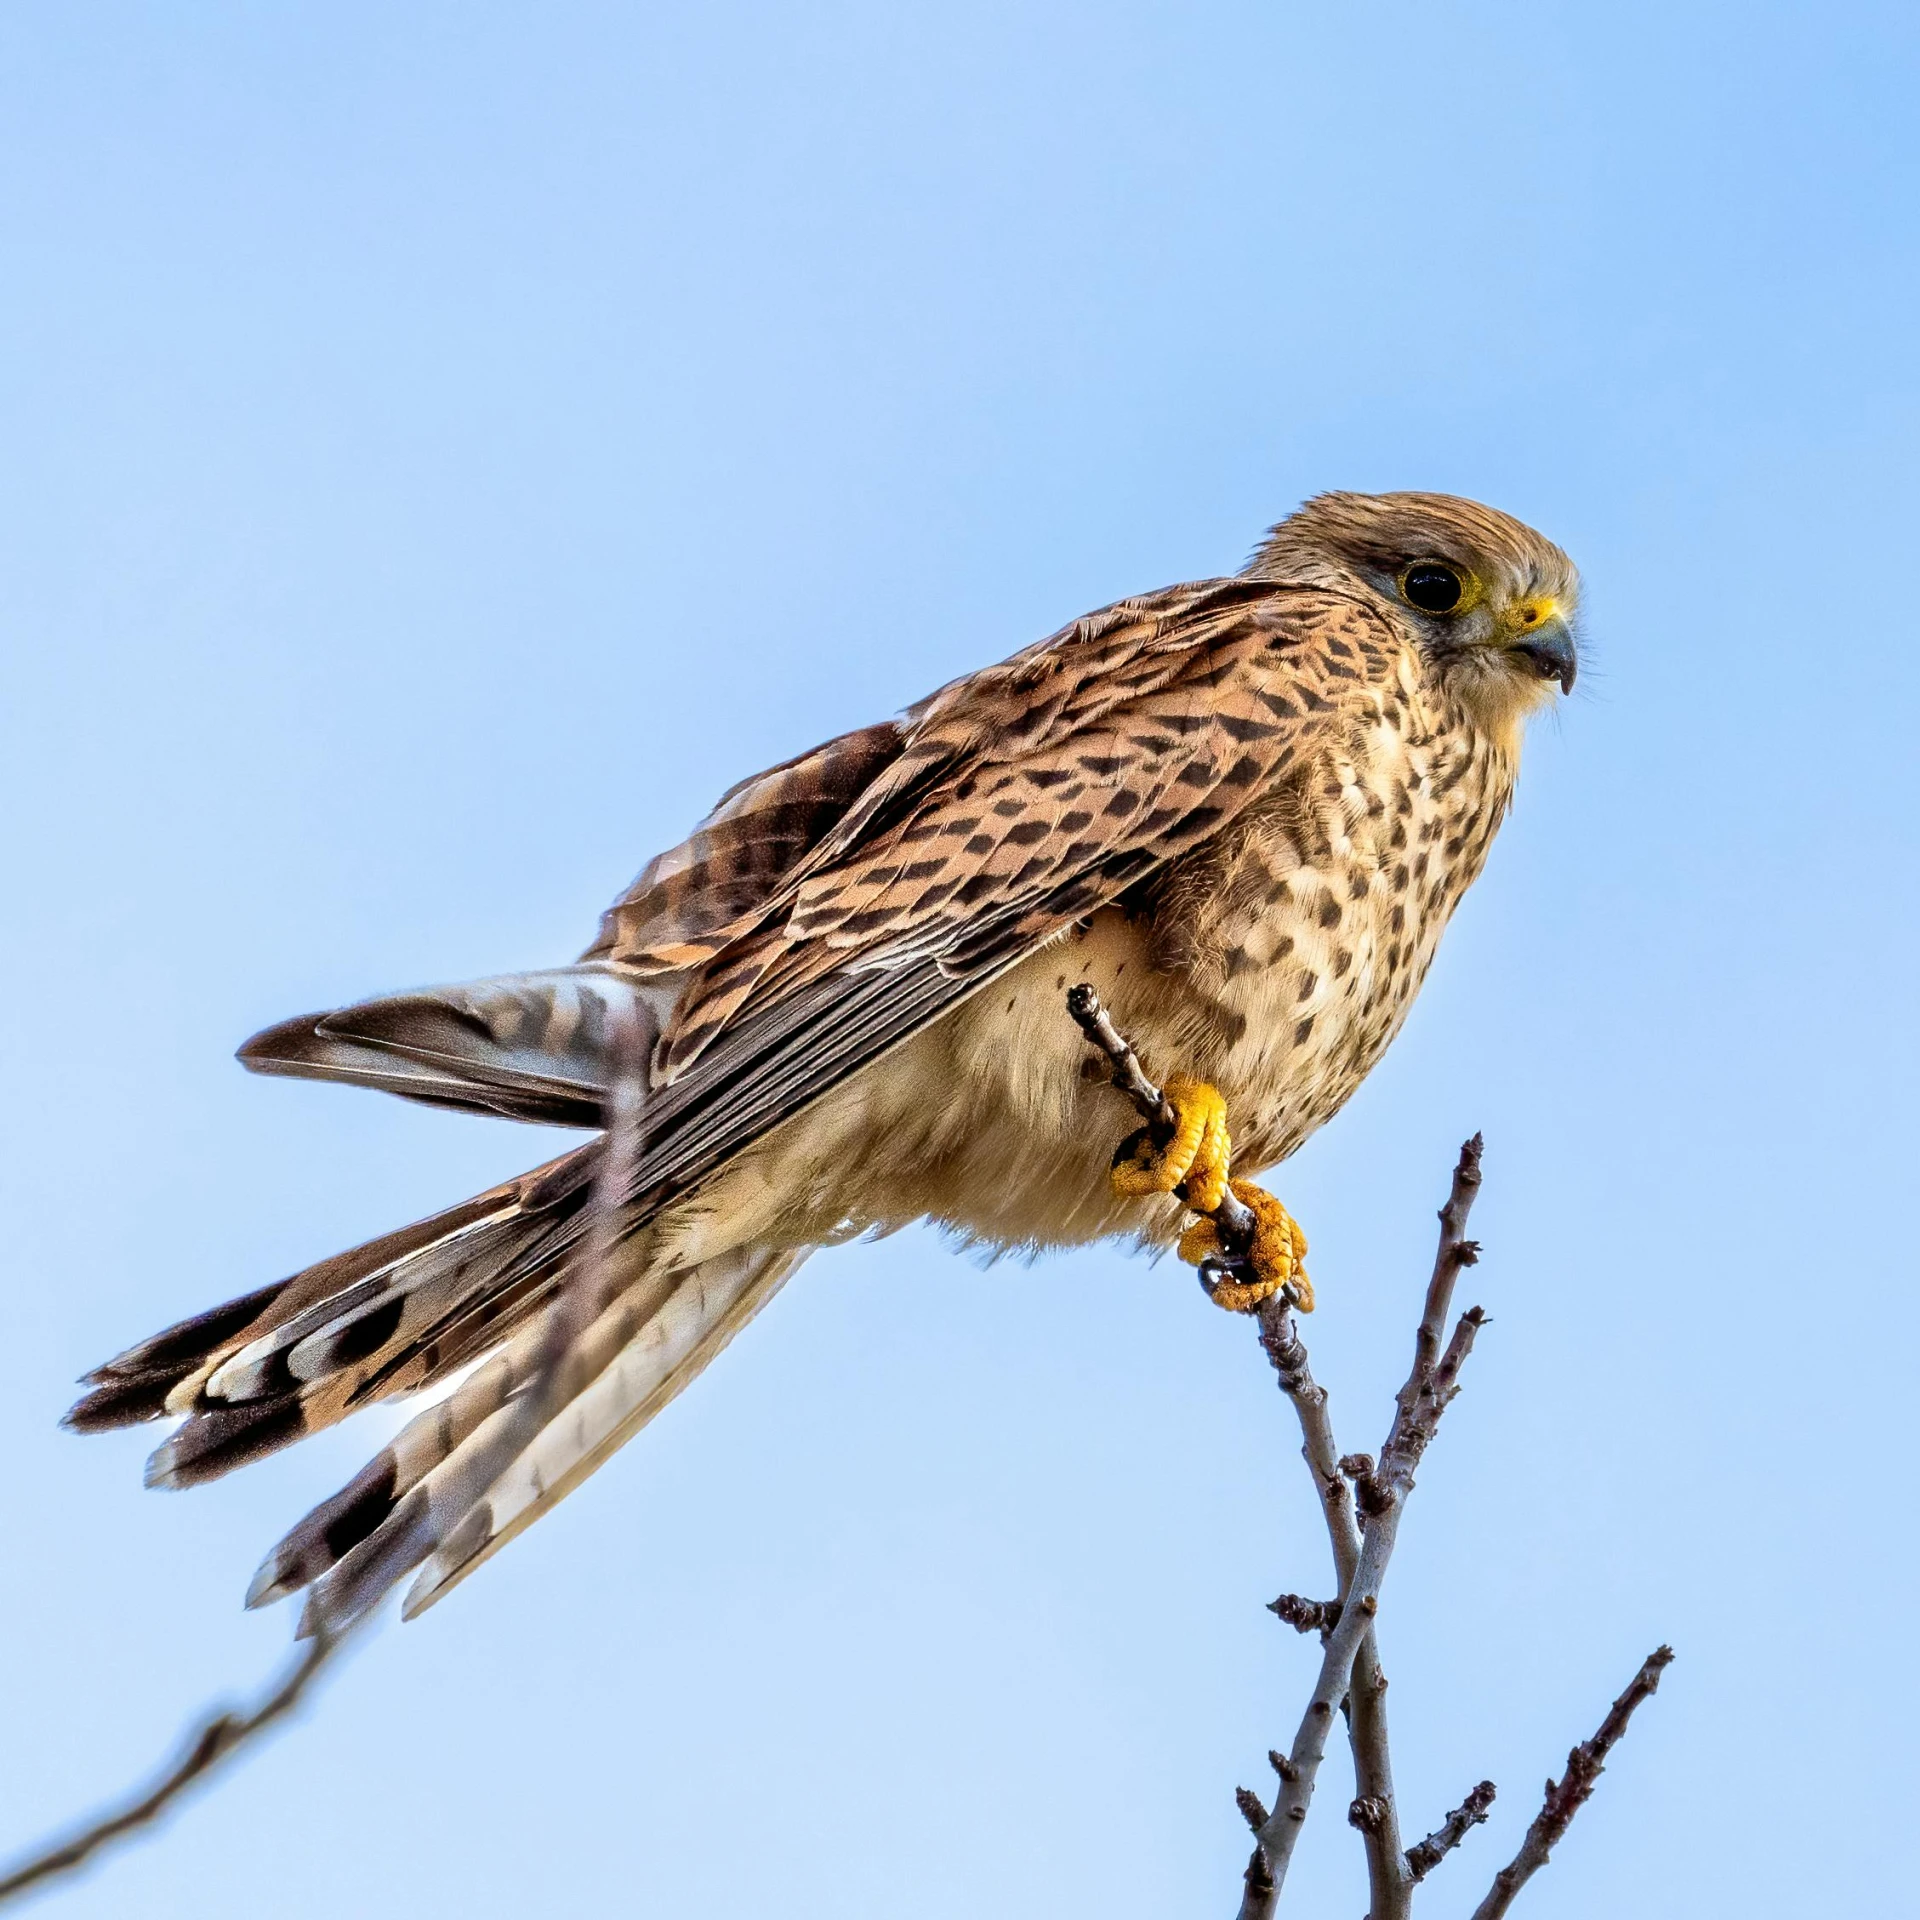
<point x="1539" y="634"/>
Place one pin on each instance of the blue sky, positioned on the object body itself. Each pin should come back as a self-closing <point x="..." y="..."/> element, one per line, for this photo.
<point x="447" y="445"/>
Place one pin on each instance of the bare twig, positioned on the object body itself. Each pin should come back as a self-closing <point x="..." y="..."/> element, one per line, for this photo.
<point x="218" y="1738"/>
<point x="1566" y="1796"/>
<point x="1366" y="1702"/>
<point x="1427" y="1854"/>
<point x="1349" y="1669"/>
<point x="223" y="1733"/>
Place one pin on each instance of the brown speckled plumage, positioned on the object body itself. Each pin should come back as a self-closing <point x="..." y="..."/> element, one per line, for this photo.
<point x="1243" y="809"/>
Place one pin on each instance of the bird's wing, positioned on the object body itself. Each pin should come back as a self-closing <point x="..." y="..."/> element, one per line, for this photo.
<point x="689" y="901"/>
<point x="1011" y="804"/>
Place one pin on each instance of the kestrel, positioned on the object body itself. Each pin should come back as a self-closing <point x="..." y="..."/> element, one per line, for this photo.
<point x="1242" y="809"/>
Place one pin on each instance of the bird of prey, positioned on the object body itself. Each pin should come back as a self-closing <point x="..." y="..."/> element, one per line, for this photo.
<point x="1242" y="810"/>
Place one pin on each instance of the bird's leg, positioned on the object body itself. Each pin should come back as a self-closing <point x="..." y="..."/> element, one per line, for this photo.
<point x="1193" y="1163"/>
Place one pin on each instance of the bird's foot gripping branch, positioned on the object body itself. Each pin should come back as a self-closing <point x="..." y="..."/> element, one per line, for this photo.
<point x="1248" y="1247"/>
<point x="1361" y="1498"/>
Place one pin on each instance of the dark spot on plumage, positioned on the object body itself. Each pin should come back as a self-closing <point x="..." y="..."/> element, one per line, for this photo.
<point x="365" y="1333"/>
<point x="1103" y="766"/>
<point x="353" y="1513"/>
<point x="1303" y="1032"/>
<point x="921" y="870"/>
<point x="1124" y="801"/>
<point x="1329" y="913"/>
<point x="1397" y="876"/>
<point x="1397" y="920"/>
<point x="1074" y="821"/>
<point x="1239" y="962"/>
<point x="1233" y="1026"/>
<point x="1276" y="703"/>
<point x="1342" y="961"/>
<point x="1199" y="774"/>
<point x="1009" y="809"/>
<point x="1359" y="885"/>
<point x="1308" y="981"/>
<point x="1242" y="731"/>
<point x="1046" y="777"/>
<point x="1027" y="832"/>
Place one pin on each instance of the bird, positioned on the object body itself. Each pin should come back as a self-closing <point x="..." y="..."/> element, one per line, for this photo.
<point x="1240" y="810"/>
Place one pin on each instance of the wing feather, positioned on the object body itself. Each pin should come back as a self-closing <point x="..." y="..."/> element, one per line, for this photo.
<point x="1010" y="805"/>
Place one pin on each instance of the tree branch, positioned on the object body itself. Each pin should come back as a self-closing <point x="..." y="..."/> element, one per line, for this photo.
<point x="219" y="1737"/>
<point x="1427" y="1854"/>
<point x="1380" y="1493"/>
<point x="1366" y="1702"/>
<point x="1350" y="1674"/>
<point x="1566" y="1796"/>
<point x="223" y="1733"/>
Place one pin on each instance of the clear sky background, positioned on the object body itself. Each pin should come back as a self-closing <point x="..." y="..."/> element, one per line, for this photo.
<point x="446" y="445"/>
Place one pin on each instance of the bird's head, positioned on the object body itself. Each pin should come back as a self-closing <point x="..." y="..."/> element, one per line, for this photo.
<point x="1492" y="602"/>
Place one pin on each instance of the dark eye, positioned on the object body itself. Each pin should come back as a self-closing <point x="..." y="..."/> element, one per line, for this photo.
<point x="1431" y="587"/>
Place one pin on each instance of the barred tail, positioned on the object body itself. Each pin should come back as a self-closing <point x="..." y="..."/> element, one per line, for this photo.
<point x="410" y="1311"/>
<point x="466" y="1475"/>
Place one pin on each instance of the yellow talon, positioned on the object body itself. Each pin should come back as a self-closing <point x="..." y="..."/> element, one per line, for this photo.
<point x="1198" y="1153"/>
<point x="1195" y="1164"/>
<point x="1278" y="1249"/>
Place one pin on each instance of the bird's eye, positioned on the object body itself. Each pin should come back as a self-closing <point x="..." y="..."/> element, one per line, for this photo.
<point x="1432" y="587"/>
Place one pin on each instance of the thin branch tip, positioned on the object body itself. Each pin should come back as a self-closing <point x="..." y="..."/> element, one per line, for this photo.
<point x="1424" y="1855"/>
<point x="1566" y="1796"/>
<point x="220" y="1735"/>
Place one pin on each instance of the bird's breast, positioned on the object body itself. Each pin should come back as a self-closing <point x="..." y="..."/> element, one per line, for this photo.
<point x="1277" y="962"/>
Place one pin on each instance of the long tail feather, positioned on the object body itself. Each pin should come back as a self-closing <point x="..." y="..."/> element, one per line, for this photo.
<point x="532" y="1046"/>
<point x="393" y="1316"/>
<point x="673" y="1348"/>
<point x="507" y="1444"/>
